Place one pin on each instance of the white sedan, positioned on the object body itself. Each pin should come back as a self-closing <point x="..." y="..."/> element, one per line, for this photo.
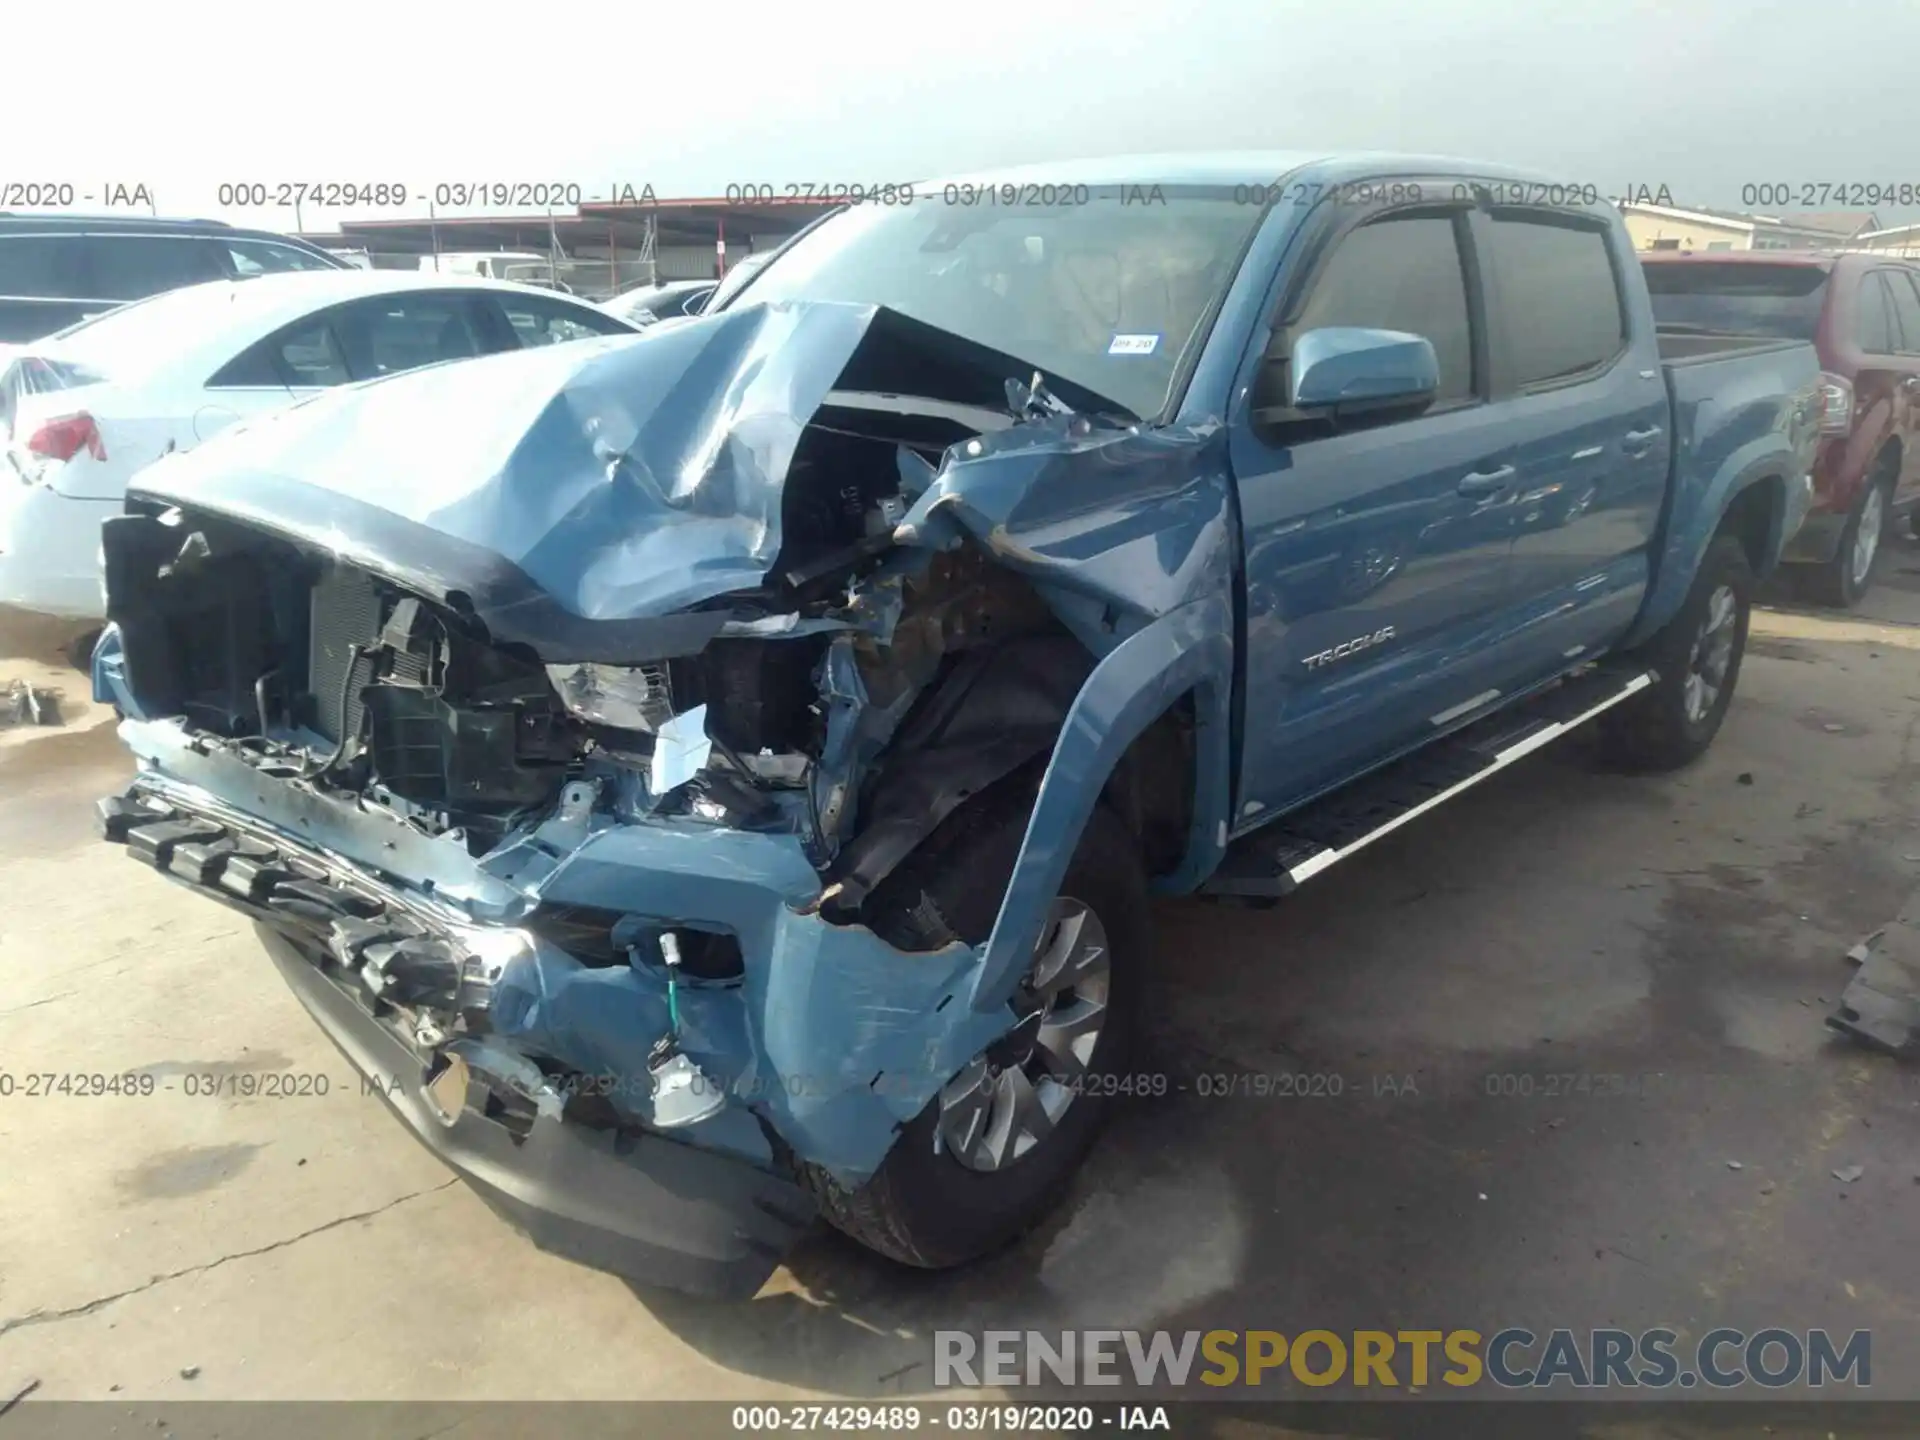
<point x="83" y="410"/>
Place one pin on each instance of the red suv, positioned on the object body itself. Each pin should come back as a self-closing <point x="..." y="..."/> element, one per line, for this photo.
<point x="1862" y="313"/>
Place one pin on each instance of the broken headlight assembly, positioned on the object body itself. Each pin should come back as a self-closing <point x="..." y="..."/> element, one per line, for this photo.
<point x="626" y="697"/>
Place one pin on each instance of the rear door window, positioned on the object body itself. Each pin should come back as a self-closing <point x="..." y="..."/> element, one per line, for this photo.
<point x="306" y="355"/>
<point x="1560" y="304"/>
<point x="132" y="267"/>
<point x="41" y="267"/>
<point x="537" y="321"/>
<point x="314" y="356"/>
<point x="1906" y="310"/>
<point x="361" y="340"/>
<point x="263" y="257"/>
<point x="1873" y="328"/>
<point x="387" y="334"/>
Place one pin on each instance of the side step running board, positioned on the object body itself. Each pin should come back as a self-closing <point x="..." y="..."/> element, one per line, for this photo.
<point x="1277" y="859"/>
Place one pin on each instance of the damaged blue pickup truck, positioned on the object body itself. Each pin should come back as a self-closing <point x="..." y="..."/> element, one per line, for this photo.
<point x="714" y="778"/>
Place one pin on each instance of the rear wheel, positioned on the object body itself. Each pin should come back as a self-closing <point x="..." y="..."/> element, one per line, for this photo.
<point x="1844" y="579"/>
<point x="995" y="1149"/>
<point x="1697" y="656"/>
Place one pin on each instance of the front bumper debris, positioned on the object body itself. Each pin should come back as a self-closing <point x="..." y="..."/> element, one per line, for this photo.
<point x="375" y="969"/>
<point x="827" y="1042"/>
<point x="1880" y="1008"/>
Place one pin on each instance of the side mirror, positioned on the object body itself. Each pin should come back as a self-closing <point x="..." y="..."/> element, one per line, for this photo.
<point x="1347" y="369"/>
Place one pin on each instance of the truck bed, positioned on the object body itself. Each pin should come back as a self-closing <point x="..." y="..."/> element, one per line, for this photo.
<point x="1687" y="347"/>
<point x="1741" y="405"/>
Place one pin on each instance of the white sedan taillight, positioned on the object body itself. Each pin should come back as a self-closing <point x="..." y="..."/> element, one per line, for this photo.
<point x="66" y="436"/>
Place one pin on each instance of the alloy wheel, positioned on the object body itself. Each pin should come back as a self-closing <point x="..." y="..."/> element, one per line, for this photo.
<point x="1866" y="535"/>
<point x="1009" y="1098"/>
<point x="1712" y="654"/>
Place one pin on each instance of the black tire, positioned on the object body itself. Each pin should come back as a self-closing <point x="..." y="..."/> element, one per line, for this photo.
<point x="923" y="1207"/>
<point x="1835" y="583"/>
<point x="1656" y="729"/>
<point x="80" y="650"/>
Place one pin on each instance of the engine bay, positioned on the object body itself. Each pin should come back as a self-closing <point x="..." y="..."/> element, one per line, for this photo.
<point x="328" y="673"/>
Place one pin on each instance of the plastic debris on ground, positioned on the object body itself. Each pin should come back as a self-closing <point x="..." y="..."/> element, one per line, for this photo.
<point x="28" y="705"/>
<point x="1880" y="1008"/>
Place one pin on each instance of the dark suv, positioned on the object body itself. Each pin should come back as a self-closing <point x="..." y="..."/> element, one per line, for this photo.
<point x="1862" y="313"/>
<point x="58" y="269"/>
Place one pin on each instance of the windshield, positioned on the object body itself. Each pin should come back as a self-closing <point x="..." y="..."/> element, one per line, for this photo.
<point x="1779" y="301"/>
<point x="1108" y="293"/>
<point x="735" y="280"/>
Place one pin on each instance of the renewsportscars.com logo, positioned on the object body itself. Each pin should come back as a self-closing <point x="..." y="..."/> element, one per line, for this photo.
<point x="1514" y="1358"/>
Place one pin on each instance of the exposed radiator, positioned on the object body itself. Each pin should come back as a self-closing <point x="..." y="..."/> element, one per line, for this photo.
<point x="345" y="613"/>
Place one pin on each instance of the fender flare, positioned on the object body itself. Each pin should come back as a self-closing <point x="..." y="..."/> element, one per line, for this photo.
<point x="1188" y="649"/>
<point x="1685" y="544"/>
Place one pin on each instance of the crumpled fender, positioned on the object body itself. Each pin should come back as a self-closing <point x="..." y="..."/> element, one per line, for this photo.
<point x="1191" y="649"/>
<point x="995" y="712"/>
<point x="1131" y="536"/>
<point x="1136" y="522"/>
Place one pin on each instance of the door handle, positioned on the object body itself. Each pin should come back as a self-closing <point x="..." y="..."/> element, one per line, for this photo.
<point x="1486" y="482"/>
<point x="1912" y="382"/>
<point x="1638" y="442"/>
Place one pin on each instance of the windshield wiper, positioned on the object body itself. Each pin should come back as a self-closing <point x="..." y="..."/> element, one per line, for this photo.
<point x="1033" y="400"/>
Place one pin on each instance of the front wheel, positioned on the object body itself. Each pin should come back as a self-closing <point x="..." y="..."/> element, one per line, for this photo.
<point x="80" y="650"/>
<point x="995" y="1149"/>
<point x="1697" y="657"/>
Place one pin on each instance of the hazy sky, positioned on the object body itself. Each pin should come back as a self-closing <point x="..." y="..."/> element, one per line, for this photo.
<point x="1704" y="96"/>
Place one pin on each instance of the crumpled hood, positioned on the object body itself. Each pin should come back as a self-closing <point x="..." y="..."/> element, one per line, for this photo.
<point x="608" y="480"/>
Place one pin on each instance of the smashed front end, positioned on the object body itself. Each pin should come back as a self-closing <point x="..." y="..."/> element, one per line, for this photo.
<point x="557" y="716"/>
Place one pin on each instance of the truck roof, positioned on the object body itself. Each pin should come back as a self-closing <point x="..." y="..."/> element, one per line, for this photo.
<point x="1237" y="167"/>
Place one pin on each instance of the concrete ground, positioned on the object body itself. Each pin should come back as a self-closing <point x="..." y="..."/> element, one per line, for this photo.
<point x="1684" y="931"/>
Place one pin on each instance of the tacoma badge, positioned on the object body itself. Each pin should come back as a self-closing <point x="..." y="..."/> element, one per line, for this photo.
<point x="1349" y="647"/>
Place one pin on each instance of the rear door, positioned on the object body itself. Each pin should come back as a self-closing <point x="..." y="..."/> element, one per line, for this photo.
<point x="1903" y="288"/>
<point x="1376" y="556"/>
<point x="1882" y="402"/>
<point x="42" y="286"/>
<point x="119" y="268"/>
<point x="1582" y="398"/>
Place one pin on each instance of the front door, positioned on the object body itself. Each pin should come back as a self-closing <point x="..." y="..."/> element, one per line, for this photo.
<point x="1376" y="556"/>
